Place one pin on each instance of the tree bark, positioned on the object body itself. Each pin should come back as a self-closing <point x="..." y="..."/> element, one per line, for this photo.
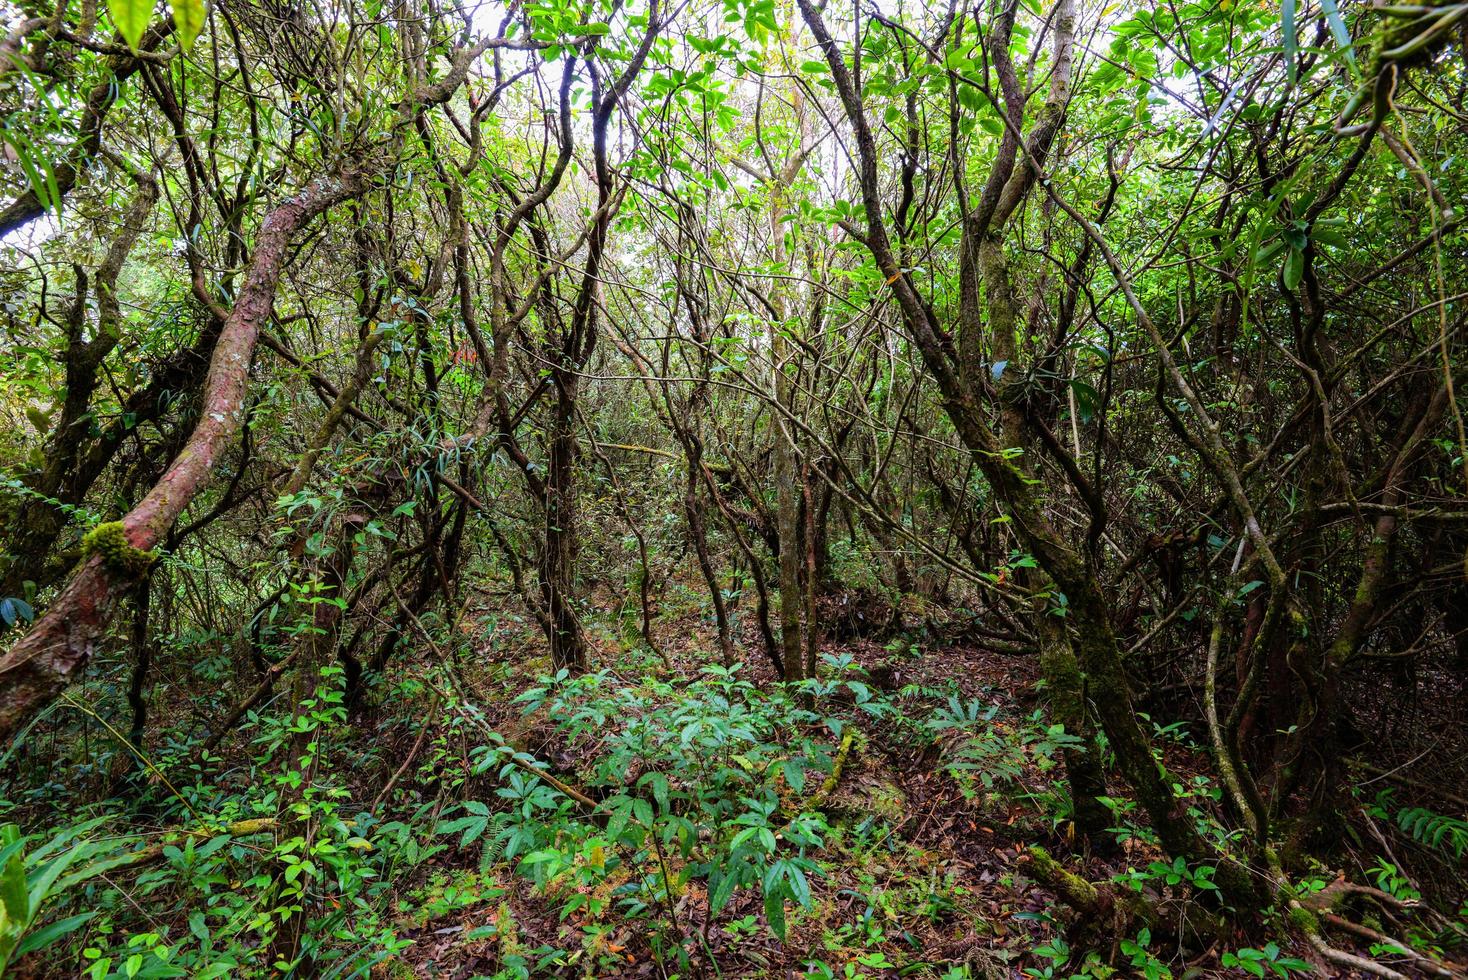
<point x="58" y="646"/>
<point x="558" y="554"/>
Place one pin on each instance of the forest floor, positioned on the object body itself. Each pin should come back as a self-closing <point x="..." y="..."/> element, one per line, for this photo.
<point x="944" y="889"/>
<point x="936" y="891"/>
<point x="946" y="774"/>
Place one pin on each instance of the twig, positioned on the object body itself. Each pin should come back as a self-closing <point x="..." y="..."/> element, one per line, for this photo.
<point x="412" y="754"/>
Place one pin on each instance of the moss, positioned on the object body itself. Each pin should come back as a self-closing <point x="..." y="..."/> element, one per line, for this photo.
<point x="1304" y="920"/>
<point x="110" y="541"/>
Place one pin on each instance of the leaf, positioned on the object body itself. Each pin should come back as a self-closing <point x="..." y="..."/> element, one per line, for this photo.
<point x="1087" y="399"/>
<point x="131" y="18"/>
<point x="38" y="173"/>
<point x="188" y="20"/>
<point x="799" y="885"/>
<point x="42" y="938"/>
<point x="1291" y="42"/>
<point x="722" y="891"/>
<point x="775" y="913"/>
<point x="659" y="788"/>
<point x="589" y="30"/>
<point x="13" y="898"/>
<point x="212" y="845"/>
<point x="1338" y="29"/>
<point x="1294" y="269"/>
<point x="40" y="882"/>
<point x="795" y="774"/>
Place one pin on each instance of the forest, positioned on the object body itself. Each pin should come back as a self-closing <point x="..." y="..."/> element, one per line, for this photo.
<point x="696" y="489"/>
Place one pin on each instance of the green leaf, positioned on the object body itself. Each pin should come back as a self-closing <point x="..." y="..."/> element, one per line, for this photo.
<point x="188" y="20"/>
<point x="42" y="938"/>
<point x="775" y="913"/>
<point x="723" y="890"/>
<point x="794" y="770"/>
<point x="1294" y="269"/>
<point x="131" y="18"/>
<point x="40" y="882"/>
<point x="1087" y="398"/>
<point x="13" y="898"/>
<point x="1338" y="29"/>
<point x="799" y="885"/>
<point x="1291" y="42"/>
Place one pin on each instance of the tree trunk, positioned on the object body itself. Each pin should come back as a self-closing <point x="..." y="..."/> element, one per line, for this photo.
<point x="787" y="519"/>
<point x="43" y="662"/>
<point x="558" y="555"/>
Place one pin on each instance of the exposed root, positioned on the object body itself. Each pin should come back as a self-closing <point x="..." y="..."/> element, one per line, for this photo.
<point x="1101" y="905"/>
<point x="1332" y="895"/>
<point x="1125" y="913"/>
<point x="1350" y="960"/>
<point x="1372" y="935"/>
<point x="1069" y="887"/>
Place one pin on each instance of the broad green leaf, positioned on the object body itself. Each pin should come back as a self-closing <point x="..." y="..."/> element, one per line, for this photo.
<point x="13" y="899"/>
<point x="1087" y="399"/>
<point x="775" y="913"/>
<point x="42" y="938"/>
<point x="188" y="20"/>
<point x="1294" y="268"/>
<point x="131" y="18"/>
<point x="722" y="891"/>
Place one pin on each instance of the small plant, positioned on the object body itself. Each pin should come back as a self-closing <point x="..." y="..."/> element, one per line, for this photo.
<point x="28" y="881"/>
<point x="1436" y="830"/>
<point x="1171" y="875"/>
<point x="1390" y="879"/>
<point x="1056" y="952"/>
<point x="1140" y="957"/>
<point x="1265" y="962"/>
<point x="14" y="609"/>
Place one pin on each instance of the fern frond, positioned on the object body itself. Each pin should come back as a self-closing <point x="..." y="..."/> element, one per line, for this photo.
<point x="1435" y="830"/>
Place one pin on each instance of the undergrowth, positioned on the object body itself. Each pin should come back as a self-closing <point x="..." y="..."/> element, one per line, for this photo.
<point x="575" y="825"/>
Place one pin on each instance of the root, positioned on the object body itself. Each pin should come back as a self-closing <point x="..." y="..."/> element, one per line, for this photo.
<point x="1069" y="887"/>
<point x="1350" y="960"/>
<point x="1125" y="913"/>
<point x="1108" y="906"/>
<point x="1332" y="895"/>
<point x="1372" y="935"/>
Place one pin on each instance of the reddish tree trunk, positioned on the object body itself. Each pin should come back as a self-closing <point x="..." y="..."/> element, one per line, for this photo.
<point x="44" y="661"/>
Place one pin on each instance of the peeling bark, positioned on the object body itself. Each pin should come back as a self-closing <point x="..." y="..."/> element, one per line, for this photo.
<point x="36" y="669"/>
